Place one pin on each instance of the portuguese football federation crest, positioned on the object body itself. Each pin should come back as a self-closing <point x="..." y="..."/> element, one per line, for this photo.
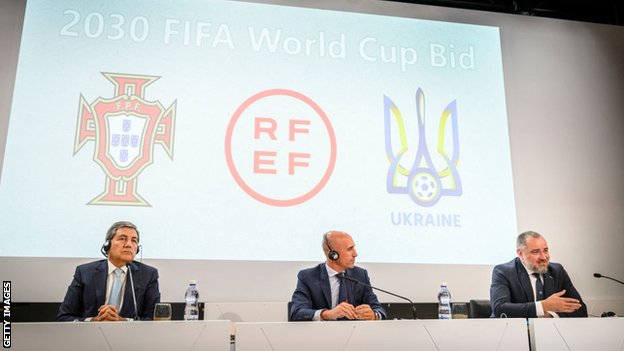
<point x="125" y="129"/>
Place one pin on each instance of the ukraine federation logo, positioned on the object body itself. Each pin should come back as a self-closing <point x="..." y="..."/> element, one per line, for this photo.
<point x="417" y="175"/>
<point x="125" y="129"/>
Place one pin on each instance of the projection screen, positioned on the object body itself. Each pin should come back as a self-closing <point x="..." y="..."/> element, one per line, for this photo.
<point x="230" y="130"/>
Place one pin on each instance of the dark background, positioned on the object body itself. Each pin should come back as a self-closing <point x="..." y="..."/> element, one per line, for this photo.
<point x="46" y="311"/>
<point x="595" y="11"/>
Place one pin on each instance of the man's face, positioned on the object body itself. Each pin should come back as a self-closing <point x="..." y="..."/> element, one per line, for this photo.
<point x="123" y="246"/>
<point x="535" y="256"/>
<point x="344" y="245"/>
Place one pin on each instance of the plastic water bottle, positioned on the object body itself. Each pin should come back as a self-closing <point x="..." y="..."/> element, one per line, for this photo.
<point x="191" y="310"/>
<point x="444" y="302"/>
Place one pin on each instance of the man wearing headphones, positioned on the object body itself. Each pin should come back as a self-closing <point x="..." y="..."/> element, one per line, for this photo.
<point x="114" y="289"/>
<point x="323" y="293"/>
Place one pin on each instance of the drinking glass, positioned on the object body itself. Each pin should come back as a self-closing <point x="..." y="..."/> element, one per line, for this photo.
<point x="162" y="312"/>
<point x="460" y="311"/>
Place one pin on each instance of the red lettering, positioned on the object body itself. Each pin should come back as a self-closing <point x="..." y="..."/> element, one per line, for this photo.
<point x="292" y="161"/>
<point x="292" y="128"/>
<point x="260" y="126"/>
<point x="266" y="158"/>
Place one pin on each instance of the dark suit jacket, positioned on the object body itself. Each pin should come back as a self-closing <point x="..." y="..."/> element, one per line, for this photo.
<point x="87" y="292"/>
<point x="511" y="292"/>
<point x="314" y="293"/>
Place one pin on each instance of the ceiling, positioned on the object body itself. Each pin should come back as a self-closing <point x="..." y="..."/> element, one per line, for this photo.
<point x="595" y="11"/>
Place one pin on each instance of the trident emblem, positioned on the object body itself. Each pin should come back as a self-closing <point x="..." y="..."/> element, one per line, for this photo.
<point x="421" y="180"/>
<point x="125" y="129"/>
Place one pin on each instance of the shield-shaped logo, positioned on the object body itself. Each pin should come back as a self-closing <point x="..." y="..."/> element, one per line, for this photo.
<point x="125" y="129"/>
<point x="126" y="135"/>
<point x="417" y="175"/>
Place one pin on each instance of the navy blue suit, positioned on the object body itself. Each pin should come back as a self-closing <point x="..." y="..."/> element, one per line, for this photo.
<point x="511" y="292"/>
<point x="314" y="293"/>
<point x="87" y="292"/>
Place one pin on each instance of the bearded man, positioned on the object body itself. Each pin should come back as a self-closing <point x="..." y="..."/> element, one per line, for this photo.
<point x="530" y="286"/>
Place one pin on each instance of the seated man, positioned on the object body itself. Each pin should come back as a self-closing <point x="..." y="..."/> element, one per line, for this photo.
<point x="531" y="286"/>
<point x="101" y="290"/>
<point x="322" y="293"/>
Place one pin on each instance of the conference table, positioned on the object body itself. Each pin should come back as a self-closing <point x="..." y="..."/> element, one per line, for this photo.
<point x="223" y="335"/>
<point x="565" y="334"/>
<point x="118" y="336"/>
<point x="421" y="335"/>
<point x="509" y="335"/>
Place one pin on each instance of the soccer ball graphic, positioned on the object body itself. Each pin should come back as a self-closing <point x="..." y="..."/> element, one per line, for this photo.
<point x="424" y="187"/>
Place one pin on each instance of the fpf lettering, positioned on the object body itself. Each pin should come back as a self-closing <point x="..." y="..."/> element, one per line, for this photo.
<point x="128" y="105"/>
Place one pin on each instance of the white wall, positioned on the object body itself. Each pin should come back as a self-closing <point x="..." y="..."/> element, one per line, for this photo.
<point x="564" y="85"/>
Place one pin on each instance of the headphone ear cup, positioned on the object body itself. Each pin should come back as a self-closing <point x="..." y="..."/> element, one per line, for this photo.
<point x="105" y="247"/>
<point x="331" y="254"/>
<point x="138" y="249"/>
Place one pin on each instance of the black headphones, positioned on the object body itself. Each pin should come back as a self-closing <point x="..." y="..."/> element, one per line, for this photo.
<point x="105" y="247"/>
<point x="331" y="254"/>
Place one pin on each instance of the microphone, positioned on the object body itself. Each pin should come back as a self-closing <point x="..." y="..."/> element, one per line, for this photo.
<point x="598" y="275"/>
<point x="382" y="290"/>
<point x="136" y="311"/>
<point x="609" y="313"/>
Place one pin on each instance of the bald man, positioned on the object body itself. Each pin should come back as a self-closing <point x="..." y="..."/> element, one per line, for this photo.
<point x="322" y="293"/>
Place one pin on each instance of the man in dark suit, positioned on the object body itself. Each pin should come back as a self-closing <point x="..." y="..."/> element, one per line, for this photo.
<point x="102" y="290"/>
<point x="531" y="286"/>
<point x="323" y="294"/>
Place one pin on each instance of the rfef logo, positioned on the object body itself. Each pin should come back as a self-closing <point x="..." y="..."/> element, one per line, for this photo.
<point x="125" y="129"/>
<point x="280" y="147"/>
<point x="416" y="175"/>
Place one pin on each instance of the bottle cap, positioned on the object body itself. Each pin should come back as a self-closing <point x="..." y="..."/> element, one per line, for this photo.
<point x="193" y="282"/>
<point x="443" y="284"/>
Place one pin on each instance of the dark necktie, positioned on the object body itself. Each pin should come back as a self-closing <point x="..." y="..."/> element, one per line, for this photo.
<point x="342" y="291"/>
<point x="539" y="287"/>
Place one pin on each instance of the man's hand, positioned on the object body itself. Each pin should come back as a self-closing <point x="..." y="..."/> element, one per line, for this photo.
<point x="347" y="310"/>
<point x="365" y="312"/>
<point x="556" y="303"/>
<point x="344" y="309"/>
<point x="107" y="313"/>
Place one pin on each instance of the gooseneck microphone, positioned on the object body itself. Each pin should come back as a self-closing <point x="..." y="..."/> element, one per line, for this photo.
<point x="598" y="275"/>
<point x="342" y="276"/>
<point x="136" y="311"/>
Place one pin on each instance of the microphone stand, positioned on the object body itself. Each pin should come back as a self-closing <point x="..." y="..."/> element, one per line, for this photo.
<point x="609" y="313"/>
<point x="136" y="312"/>
<point x="382" y="290"/>
<point x="598" y="275"/>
